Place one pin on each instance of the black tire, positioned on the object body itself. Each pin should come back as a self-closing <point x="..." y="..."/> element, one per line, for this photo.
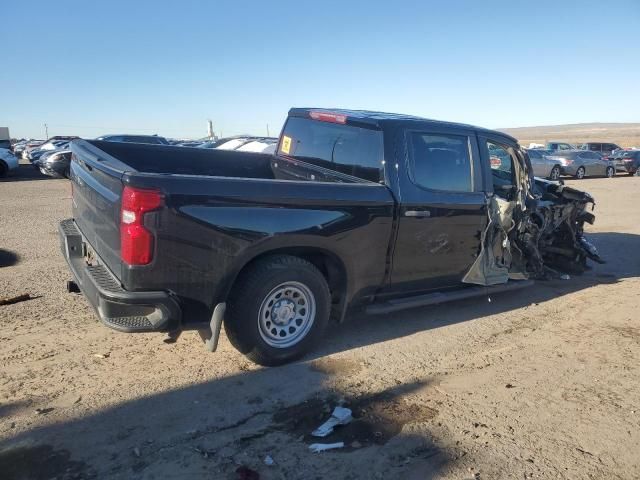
<point x="554" y="174"/>
<point x="580" y="173"/>
<point x="243" y="323"/>
<point x="610" y="172"/>
<point x="3" y="170"/>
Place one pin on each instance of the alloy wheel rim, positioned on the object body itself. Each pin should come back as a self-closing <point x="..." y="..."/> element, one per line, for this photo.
<point x="286" y="315"/>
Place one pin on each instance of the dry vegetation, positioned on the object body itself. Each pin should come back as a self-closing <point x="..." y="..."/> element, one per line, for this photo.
<point x="623" y="134"/>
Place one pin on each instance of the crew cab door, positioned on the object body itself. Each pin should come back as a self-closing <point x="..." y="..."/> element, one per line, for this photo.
<point x="442" y="210"/>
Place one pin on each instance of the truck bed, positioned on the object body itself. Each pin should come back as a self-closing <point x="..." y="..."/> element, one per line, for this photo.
<point x="221" y="208"/>
<point x="167" y="159"/>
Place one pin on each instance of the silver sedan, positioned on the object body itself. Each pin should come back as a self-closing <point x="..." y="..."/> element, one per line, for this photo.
<point x="543" y="166"/>
<point x="584" y="163"/>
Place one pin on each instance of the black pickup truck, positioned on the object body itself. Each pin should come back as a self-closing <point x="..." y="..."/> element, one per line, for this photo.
<point x="356" y="209"/>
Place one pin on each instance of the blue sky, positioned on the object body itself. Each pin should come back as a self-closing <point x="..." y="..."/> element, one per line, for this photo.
<point x="95" y="67"/>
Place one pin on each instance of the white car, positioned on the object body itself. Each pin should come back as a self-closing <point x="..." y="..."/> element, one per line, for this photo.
<point x="258" y="146"/>
<point x="8" y="162"/>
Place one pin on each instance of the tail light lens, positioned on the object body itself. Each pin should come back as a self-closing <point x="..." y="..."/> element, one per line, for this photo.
<point x="136" y="242"/>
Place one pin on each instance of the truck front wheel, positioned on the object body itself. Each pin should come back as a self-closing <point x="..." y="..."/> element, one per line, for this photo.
<point x="278" y="310"/>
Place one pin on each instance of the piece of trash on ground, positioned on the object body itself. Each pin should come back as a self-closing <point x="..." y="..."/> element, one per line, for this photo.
<point x="565" y="277"/>
<point x="268" y="460"/>
<point x="340" y="416"/>
<point x="321" y="447"/>
<point x="19" y="298"/>
<point x="44" y="411"/>
<point x="101" y="355"/>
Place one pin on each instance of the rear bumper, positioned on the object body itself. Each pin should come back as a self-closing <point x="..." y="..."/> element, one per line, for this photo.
<point x="116" y="307"/>
<point x="628" y="167"/>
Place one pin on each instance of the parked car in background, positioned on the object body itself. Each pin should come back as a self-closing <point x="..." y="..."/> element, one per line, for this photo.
<point x="50" y="146"/>
<point x="584" y="163"/>
<point x="18" y="147"/>
<point x="30" y="145"/>
<point x="543" y="166"/>
<point x="605" y="149"/>
<point x="555" y="146"/>
<point x="8" y="162"/>
<point x="244" y="143"/>
<point x="627" y="161"/>
<point x="55" y="164"/>
<point x="218" y="141"/>
<point x="263" y="145"/>
<point x="148" y="139"/>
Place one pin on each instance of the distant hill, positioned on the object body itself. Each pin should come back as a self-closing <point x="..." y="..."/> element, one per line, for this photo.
<point x="624" y="134"/>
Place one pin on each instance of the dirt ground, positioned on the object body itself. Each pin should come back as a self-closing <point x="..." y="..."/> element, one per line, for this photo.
<point x="540" y="383"/>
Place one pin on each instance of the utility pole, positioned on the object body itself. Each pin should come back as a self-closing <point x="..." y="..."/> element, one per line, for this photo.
<point x="46" y="131"/>
<point x="268" y="130"/>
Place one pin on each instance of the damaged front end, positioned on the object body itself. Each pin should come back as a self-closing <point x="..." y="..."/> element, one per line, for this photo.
<point x="536" y="231"/>
<point x="552" y="235"/>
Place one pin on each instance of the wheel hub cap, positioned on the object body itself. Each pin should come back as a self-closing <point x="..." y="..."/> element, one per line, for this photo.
<point x="283" y="312"/>
<point x="286" y="314"/>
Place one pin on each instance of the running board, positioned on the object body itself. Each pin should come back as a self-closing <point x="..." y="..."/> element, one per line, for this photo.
<point x="442" y="297"/>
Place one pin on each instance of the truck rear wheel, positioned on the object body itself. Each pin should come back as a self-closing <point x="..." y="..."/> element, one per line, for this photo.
<point x="278" y="310"/>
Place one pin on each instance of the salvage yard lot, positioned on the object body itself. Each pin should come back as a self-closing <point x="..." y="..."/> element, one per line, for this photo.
<point x="540" y="383"/>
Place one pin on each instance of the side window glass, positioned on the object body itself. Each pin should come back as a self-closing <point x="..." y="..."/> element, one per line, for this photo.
<point x="441" y="162"/>
<point x="501" y="169"/>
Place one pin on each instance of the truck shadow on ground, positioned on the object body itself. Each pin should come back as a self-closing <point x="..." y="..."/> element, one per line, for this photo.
<point x="211" y="429"/>
<point x="25" y="172"/>
<point x="620" y="250"/>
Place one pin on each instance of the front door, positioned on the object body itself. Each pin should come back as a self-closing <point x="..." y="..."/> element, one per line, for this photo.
<point x="443" y="211"/>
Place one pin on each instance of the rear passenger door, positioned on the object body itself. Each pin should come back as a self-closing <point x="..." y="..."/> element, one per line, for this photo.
<point x="442" y="210"/>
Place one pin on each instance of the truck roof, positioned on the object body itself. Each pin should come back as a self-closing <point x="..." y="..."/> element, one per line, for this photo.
<point x="382" y="119"/>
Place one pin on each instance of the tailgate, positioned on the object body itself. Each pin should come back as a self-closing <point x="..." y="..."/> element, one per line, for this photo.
<point x="97" y="188"/>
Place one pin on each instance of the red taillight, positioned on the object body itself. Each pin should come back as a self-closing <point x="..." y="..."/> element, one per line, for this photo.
<point x="328" y="117"/>
<point x="136" y="242"/>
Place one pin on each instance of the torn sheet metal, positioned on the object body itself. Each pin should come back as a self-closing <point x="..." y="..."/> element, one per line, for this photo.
<point x="537" y="233"/>
<point x="492" y="264"/>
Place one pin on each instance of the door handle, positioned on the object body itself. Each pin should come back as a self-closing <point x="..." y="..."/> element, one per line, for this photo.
<point x="417" y="213"/>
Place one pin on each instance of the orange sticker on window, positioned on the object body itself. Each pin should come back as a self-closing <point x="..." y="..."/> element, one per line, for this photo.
<point x="286" y="144"/>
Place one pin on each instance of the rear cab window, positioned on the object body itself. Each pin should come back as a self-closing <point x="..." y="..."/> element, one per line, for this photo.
<point x="351" y="150"/>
